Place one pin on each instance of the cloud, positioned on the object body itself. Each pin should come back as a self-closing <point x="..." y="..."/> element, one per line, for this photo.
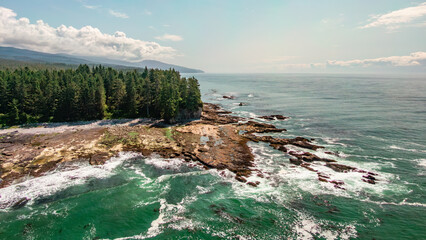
<point x="118" y="14"/>
<point x="394" y="19"/>
<point x="90" y="6"/>
<point x="147" y="12"/>
<point x="301" y="65"/>
<point x="169" y="37"/>
<point x="414" y="59"/>
<point x="86" y="41"/>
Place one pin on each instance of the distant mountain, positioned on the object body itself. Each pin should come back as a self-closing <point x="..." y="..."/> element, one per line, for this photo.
<point x="24" y="55"/>
<point x="33" y="56"/>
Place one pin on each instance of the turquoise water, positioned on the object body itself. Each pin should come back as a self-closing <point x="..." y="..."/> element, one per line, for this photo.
<point x="376" y="123"/>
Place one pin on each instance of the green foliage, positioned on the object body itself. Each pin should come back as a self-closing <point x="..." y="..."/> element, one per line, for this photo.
<point x="86" y="93"/>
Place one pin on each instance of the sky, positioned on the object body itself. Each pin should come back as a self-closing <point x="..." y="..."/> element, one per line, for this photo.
<point x="228" y="36"/>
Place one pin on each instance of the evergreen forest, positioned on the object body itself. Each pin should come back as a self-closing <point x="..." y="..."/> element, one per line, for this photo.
<point x="84" y="93"/>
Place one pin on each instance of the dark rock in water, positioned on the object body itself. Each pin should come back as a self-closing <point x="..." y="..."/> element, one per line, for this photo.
<point x="252" y="184"/>
<point x="322" y="175"/>
<point x="337" y="182"/>
<point x="296" y="161"/>
<point x="274" y="117"/>
<point x="369" y="181"/>
<point x="333" y="209"/>
<point x="340" y="167"/>
<point x="229" y="97"/>
<point x="27" y="228"/>
<point x="20" y="203"/>
<point x="307" y="157"/>
<point x="304" y="143"/>
<point x="322" y="179"/>
<point x="257" y="127"/>
<point x="241" y="179"/>
<point x="369" y="177"/>
<point x="307" y="166"/>
<point x="279" y="147"/>
<point x="327" y="160"/>
<point x="242" y="104"/>
<point x="332" y="153"/>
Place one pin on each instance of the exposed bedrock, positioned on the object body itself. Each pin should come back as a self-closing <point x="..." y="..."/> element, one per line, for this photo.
<point x="216" y="140"/>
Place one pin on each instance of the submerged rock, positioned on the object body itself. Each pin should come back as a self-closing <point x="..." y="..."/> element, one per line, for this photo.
<point x="20" y="203"/>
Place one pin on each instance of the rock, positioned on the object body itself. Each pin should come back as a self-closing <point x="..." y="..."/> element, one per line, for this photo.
<point x="307" y="157"/>
<point x="369" y="177"/>
<point x="307" y="166"/>
<point x="241" y="179"/>
<point x="304" y="143"/>
<point x="20" y="203"/>
<point x="274" y="117"/>
<point x="296" y="161"/>
<point x="98" y="158"/>
<point x="337" y="182"/>
<point x="322" y="175"/>
<point x="203" y="149"/>
<point x="340" y="167"/>
<point x="369" y="181"/>
<point x="242" y="104"/>
<point x="229" y="97"/>
<point x="322" y="179"/>
<point x="252" y="184"/>
<point x="8" y="154"/>
<point x="332" y="153"/>
<point x="257" y="127"/>
<point x="279" y="147"/>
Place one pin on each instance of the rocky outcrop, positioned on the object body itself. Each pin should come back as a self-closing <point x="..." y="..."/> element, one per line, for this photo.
<point x="217" y="140"/>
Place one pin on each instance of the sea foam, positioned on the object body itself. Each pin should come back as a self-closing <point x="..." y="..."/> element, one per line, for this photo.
<point x="60" y="179"/>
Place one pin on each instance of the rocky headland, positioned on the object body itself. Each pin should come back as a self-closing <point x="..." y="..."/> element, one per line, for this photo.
<point x="217" y="140"/>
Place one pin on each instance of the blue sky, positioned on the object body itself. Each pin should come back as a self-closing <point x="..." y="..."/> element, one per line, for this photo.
<point x="228" y="36"/>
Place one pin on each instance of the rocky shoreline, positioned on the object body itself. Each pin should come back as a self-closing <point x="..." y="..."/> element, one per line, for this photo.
<point x="218" y="140"/>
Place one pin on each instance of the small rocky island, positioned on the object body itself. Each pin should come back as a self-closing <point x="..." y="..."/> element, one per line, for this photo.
<point x="217" y="140"/>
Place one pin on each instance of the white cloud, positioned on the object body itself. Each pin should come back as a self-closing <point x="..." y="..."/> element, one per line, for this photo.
<point x="169" y="37"/>
<point x="90" y="6"/>
<point x="86" y="41"/>
<point x="118" y="14"/>
<point x="301" y="65"/>
<point x="413" y="59"/>
<point x="394" y="19"/>
<point x="147" y="12"/>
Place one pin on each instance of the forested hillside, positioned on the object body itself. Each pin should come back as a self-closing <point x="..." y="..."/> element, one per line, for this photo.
<point x="28" y="96"/>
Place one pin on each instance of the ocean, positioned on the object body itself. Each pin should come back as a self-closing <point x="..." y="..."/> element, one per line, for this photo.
<point x="375" y="122"/>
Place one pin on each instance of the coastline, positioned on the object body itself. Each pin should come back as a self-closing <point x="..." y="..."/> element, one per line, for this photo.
<point x="217" y="140"/>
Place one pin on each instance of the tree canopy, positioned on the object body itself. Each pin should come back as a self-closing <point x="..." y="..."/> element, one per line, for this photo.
<point x="28" y="96"/>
